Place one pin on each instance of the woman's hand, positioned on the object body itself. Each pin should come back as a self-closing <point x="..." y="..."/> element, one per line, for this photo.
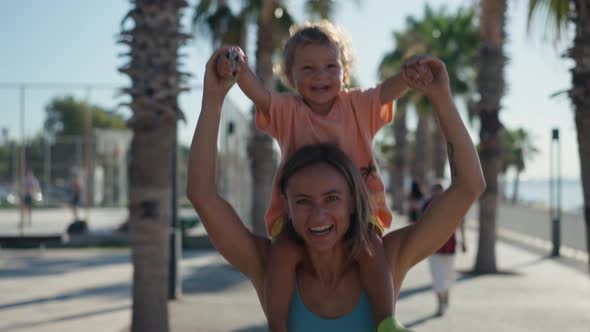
<point x="231" y="62"/>
<point x="216" y="82"/>
<point x="426" y="74"/>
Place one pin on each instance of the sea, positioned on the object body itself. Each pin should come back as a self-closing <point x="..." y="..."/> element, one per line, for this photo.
<point x="537" y="192"/>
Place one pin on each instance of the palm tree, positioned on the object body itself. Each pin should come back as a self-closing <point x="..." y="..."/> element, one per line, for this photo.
<point x="273" y="21"/>
<point x="575" y="12"/>
<point x="516" y="148"/>
<point x="491" y="88"/>
<point x="454" y="38"/>
<point x="154" y="41"/>
<point x="391" y="64"/>
<point x="421" y="163"/>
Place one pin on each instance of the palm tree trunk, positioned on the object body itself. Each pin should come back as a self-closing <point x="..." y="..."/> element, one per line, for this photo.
<point x="154" y="41"/>
<point x="263" y="162"/>
<point x="502" y="187"/>
<point x="491" y="89"/>
<point x="421" y="160"/>
<point x="149" y="224"/>
<point x="400" y="156"/>
<point x="439" y="153"/>
<point x="515" y="187"/>
<point x="580" y="96"/>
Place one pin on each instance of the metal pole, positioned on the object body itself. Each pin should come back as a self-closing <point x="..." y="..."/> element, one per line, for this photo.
<point x="47" y="167"/>
<point x="88" y="156"/>
<point x="556" y="194"/>
<point x="15" y="164"/>
<point x="174" y="282"/>
<point x="23" y="160"/>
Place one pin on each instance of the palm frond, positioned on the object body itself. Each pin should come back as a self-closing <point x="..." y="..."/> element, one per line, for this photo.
<point x="320" y="9"/>
<point x="553" y="13"/>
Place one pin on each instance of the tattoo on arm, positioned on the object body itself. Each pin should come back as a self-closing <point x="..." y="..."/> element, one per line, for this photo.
<point x="451" y="153"/>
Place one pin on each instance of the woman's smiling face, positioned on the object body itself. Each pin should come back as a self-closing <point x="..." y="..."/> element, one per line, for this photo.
<point x="320" y="205"/>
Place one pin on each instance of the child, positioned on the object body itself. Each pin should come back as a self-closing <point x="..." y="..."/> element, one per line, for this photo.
<point x="317" y="65"/>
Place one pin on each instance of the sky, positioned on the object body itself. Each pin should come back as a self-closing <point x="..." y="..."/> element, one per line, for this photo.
<point x="74" y="42"/>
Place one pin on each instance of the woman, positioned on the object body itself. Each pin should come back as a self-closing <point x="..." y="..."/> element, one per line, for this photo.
<point x="325" y="209"/>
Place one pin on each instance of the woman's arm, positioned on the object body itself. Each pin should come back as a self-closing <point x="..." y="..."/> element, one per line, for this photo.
<point x="225" y="229"/>
<point x="411" y="244"/>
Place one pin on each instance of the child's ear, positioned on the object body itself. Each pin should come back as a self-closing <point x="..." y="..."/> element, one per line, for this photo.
<point x="345" y="78"/>
<point x="291" y="82"/>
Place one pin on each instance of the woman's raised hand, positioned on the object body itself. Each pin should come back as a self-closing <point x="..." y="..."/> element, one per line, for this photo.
<point x="216" y="81"/>
<point x="426" y="74"/>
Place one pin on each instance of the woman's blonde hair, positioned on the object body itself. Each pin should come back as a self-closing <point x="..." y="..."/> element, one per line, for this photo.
<point x="356" y="238"/>
<point x="324" y="33"/>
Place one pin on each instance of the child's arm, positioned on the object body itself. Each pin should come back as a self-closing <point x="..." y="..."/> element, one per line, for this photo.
<point x="392" y="88"/>
<point x="396" y="86"/>
<point x="246" y="79"/>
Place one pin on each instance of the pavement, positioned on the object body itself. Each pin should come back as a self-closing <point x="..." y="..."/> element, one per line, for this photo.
<point x="44" y="290"/>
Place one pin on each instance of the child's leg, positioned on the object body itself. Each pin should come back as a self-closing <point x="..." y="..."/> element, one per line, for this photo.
<point x="376" y="279"/>
<point x="284" y="257"/>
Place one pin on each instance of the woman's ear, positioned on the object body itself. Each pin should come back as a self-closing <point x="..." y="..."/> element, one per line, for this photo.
<point x="285" y="202"/>
<point x="345" y="81"/>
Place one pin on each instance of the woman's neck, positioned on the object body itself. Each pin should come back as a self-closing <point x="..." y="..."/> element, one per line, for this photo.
<point x="329" y="265"/>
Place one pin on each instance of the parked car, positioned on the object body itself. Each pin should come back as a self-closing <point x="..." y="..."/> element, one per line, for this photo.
<point x="8" y="195"/>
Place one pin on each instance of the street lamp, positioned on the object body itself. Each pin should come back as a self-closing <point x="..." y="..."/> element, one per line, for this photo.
<point x="555" y="191"/>
<point x="174" y="279"/>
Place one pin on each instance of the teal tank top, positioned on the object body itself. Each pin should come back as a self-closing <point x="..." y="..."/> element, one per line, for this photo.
<point x="360" y="319"/>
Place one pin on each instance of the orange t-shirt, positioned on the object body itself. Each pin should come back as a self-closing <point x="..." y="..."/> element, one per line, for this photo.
<point x="351" y="124"/>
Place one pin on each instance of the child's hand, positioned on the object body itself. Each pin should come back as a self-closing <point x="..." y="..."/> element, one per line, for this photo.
<point x="426" y="74"/>
<point x="214" y="82"/>
<point x="415" y="75"/>
<point x="230" y="63"/>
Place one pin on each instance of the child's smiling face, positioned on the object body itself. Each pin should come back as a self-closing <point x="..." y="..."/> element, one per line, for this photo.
<point x="317" y="75"/>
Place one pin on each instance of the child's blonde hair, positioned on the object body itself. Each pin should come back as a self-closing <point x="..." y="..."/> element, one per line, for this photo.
<point x="321" y="32"/>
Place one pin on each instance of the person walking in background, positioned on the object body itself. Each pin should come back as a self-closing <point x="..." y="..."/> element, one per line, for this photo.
<point x="415" y="201"/>
<point x="30" y="188"/>
<point x="75" y="195"/>
<point x="442" y="261"/>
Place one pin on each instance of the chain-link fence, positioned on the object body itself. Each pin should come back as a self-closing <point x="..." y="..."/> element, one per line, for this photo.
<point x="94" y="163"/>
